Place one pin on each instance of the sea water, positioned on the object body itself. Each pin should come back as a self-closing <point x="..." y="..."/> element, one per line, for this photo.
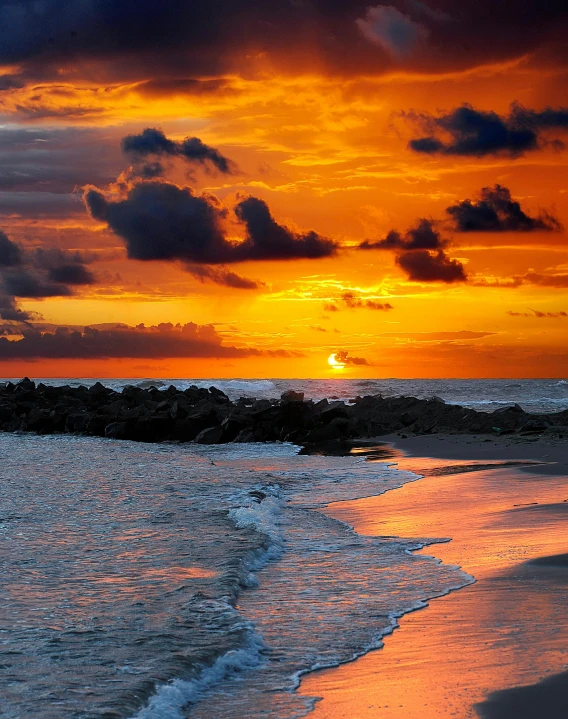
<point x="168" y="581"/>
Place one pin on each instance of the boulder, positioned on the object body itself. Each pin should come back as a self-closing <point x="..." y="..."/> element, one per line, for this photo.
<point x="218" y="395"/>
<point x="77" y="422"/>
<point x="231" y="428"/>
<point x="534" y="425"/>
<point x="211" y="435"/>
<point x="514" y="408"/>
<point x="333" y="411"/>
<point x="98" y="389"/>
<point x="291" y="396"/>
<point x="116" y="430"/>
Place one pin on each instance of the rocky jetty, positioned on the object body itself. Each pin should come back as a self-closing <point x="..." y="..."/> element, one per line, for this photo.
<point x="207" y="416"/>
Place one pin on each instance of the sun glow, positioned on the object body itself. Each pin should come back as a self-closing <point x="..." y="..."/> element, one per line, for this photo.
<point x="334" y="362"/>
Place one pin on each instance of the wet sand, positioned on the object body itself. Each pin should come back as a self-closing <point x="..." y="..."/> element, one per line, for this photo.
<point x="497" y="649"/>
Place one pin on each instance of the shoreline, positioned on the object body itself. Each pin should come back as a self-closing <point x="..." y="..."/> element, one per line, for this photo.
<point x="546" y="460"/>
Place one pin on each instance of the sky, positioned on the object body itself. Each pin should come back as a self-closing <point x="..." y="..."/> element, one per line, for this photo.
<point x="243" y="189"/>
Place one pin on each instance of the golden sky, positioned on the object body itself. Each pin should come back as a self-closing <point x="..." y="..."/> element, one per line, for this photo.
<point x="205" y="180"/>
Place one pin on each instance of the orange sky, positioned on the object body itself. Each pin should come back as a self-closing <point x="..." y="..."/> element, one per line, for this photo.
<point x="327" y="151"/>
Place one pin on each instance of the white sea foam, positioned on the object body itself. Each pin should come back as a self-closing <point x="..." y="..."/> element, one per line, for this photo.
<point x="170" y="699"/>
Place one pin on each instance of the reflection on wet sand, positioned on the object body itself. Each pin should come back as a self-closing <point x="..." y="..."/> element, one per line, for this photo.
<point x="509" y="629"/>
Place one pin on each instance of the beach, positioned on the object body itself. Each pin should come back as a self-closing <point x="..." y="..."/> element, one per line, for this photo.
<point x="496" y="648"/>
<point x="186" y="580"/>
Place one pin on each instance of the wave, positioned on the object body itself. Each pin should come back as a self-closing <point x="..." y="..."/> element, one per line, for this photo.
<point x="257" y="508"/>
<point x="170" y="699"/>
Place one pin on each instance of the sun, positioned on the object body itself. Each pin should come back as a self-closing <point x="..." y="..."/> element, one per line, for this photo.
<point x="334" y="362"/>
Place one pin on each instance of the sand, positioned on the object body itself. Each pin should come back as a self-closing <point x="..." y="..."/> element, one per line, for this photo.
<point x="497" y="649"/>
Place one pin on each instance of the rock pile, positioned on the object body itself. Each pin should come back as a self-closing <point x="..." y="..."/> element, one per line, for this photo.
<point x="208" y="416"/>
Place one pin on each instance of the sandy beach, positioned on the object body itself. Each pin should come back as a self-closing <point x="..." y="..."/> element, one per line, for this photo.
<point x="498" y="648"/>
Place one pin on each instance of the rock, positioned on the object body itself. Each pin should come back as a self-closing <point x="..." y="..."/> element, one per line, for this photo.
<point x="291" y="396"/>
<point x="246" y="435"/>
<point x="6" y="412"/>
<point x="335" y="430"/>
<point x="231" y="428"/>
<point x="26" y="384"/>
<point x="116" y="430"/>
<point x="534" y="425"/>
<point x="333" y="411"/>
<point x="129" y="391"/>
<point x="77" y="422"/>
<point x="98" y="389"/>
<point x="218" y="395"/>
<point x="211" y="435"/>
<point x="435" y="398"/>
<point x="514" y="408"/>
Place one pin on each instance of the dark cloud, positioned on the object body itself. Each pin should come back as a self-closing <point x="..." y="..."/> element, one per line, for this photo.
<point x="343" y="357"/>
<point x="496" y="211"/>
<point x="422" y="237"/>
<point x="10" y="252"/>
<point x="224" y="277"/>
<point x="37" y="274"/>
<point x="180" y="41"/>
<point x="153" y="142"/>
<point x="268" y="240"/>
<point x="9" y="310"/>
<point x="424" y="266"/>
<point x="186" y="86"/>
<point x="72" y="274"/>
<point x="538" y="314"/>
<point x="161" y="221"/>
<point x="24" y="283"/>
<point x="470" y="132"/>
<point x="165" y="340"/>
<point x="353" y="301"/>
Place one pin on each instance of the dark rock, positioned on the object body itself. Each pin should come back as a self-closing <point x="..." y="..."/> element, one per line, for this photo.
<point x="435" y="398"/>
<point x="328" y="432"/>
<point x="6" y="412"/>
<point x="26" y="384"/>
<point x="246" y="435"/>
<point x="292" y="396"/>
<point x="129" y="391"/>
<point x="514" y="408"/>
<point x="77" y="422"/>
<point x="116" y="430"/>
<point x="534" y="425"/>
<point x="218" y="395"/>
<point x="333" y="411"/>
<point x="211" y="435"/>
<point x="98" y="389"/>
<point x="231" y="428"/>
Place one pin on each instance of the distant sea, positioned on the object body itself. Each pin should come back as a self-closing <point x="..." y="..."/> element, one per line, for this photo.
<point x="534" y="395"/>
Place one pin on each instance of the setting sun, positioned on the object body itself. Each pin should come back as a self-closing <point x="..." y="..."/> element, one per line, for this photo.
<point x="334" y="362"/>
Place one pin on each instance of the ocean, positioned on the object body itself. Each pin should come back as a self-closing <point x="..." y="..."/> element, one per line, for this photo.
<point x="167" y="581"/>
